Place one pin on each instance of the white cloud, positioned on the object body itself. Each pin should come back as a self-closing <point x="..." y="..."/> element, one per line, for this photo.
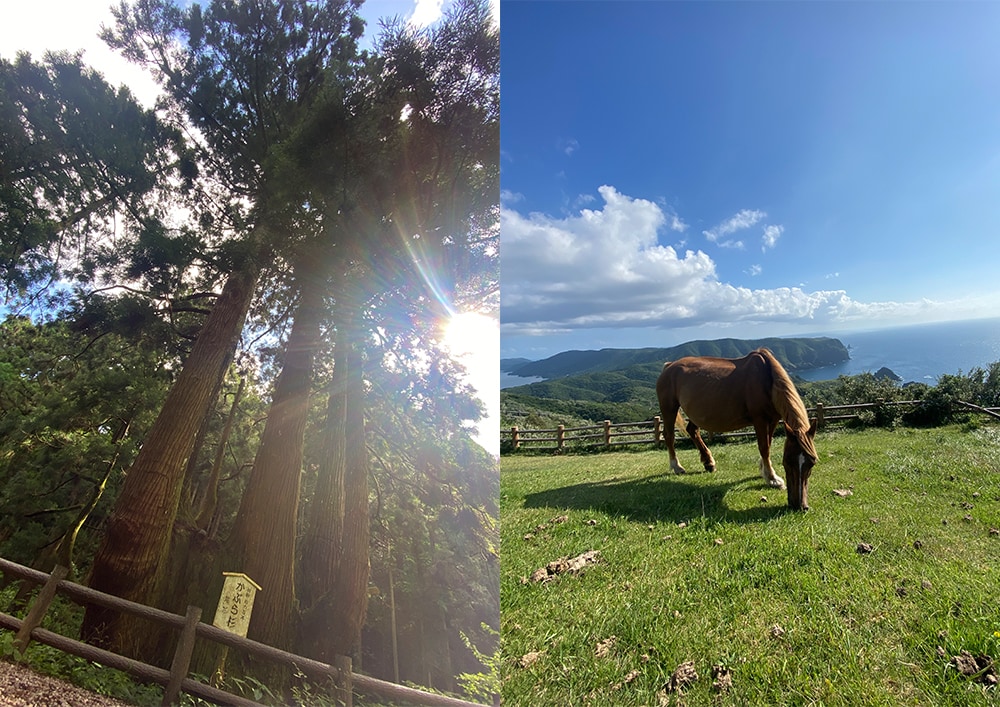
<point x="510" y="197"/>
<point x="744" y="219"/>
<point x="568" y="145"/>
<point x="605" y="267"/>
<point x="425" y="13"/>
<point x="771" y="236"/>
<point x="755" y="270"/>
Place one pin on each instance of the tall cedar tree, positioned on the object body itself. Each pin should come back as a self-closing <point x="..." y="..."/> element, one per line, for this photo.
<point x="244" y="75"/>
<point x="425" y="193"/>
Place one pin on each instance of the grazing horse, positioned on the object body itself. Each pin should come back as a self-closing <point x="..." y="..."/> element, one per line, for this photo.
<point x="726" y="394"/>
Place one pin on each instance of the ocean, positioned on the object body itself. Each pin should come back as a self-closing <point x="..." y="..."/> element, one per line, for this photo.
<point x="921" y="352"/>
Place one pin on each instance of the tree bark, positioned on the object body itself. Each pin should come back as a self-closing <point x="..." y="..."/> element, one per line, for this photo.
<point x="351" y="586"/>
<point x="321" y="546"/>
<point x="131" y="556"/>
<point x="262" y="544"/>
<point x="210" y="495"/>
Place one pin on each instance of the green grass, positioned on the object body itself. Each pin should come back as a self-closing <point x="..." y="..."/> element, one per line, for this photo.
<point x="858" y="629"/>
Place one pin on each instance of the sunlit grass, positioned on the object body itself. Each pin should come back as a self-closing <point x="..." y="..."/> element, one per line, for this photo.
<point x="783" y="600"/>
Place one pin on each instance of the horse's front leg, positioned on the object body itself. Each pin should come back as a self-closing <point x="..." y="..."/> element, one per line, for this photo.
<point x="706" y="456"/>
<point x="765" y="432"/>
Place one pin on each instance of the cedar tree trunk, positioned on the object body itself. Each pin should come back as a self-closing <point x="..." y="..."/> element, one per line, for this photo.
<point x="129" y="560"/>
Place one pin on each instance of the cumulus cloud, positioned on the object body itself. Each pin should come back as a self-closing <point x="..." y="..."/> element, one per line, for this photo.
<point x="606" y="267"/>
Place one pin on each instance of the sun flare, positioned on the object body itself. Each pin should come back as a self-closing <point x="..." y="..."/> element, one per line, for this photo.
<point x="473" y="340"/>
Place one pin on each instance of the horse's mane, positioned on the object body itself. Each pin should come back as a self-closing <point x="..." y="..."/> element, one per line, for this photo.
<point x="786" y="400"/>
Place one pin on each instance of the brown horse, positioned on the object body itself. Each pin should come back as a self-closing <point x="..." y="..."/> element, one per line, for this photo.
<point x="726" y="394"/>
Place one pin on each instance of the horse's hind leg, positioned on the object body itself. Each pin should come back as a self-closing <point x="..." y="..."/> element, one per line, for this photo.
<point x="706" y="456"/>
<point x="765" y="432"/>
<point x="668" y="436"/>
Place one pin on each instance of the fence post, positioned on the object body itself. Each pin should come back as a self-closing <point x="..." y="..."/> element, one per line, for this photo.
<point x="182" y="657"/>
<point x="656" y="429"/>
<point x="38" y="608"/>
<point x="344" y="693"/>
<point x="560" y="437"/>
<point x="607" y="433"/>
<point x="514" y="437"/>
<point x="820" y="416"/>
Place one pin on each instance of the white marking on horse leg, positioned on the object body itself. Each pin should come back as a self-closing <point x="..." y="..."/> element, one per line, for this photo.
<point x="772" y="479"/>
<point x="676" y="466"/>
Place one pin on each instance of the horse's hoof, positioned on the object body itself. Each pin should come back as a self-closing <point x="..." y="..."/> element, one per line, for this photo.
<point x="776" y="483"/>
<point x="710" y="468"/>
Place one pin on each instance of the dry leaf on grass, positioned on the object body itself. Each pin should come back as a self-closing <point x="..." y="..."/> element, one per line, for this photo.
<point x="529" y="658"/>
<point x="565" y="565"/>
<point x="980" y="668"/>
<point x="722" y="678"/>
<point x="684" y="675"/>
<point x="843" y="493"/>
<point x="604" y="647"/>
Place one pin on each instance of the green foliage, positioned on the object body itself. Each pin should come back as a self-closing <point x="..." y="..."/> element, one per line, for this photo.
<point x="72" y="406"/>
<point x="78" y="155"/>
<point x="435" y="527"/>
<point x="712" y="568"/>
<point x="482" y="686"/>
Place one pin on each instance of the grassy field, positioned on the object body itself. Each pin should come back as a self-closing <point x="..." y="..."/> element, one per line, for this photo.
<point x="861" y="601"/>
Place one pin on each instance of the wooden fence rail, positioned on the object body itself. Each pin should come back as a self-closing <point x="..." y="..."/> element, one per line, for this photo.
<point x="651" y="431"/>
<point x="175" y="680"/>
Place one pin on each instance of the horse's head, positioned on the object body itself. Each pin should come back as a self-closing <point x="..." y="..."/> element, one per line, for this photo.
<point x="799" y="459"/>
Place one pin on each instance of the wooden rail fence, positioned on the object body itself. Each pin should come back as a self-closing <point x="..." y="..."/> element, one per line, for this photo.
<point x="651" y="431"/>
<point x="191" y="628"/>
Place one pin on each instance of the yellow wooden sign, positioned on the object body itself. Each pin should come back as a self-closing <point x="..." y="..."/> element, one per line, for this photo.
<point x="236" y="603"/>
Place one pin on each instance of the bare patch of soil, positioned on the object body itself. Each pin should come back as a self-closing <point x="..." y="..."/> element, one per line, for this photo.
<point x="21" y="686"/>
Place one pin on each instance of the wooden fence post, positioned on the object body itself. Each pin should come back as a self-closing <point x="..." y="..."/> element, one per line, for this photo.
<point x="607" y="433"/>
<point x="657" y="431"/>
<point x="560" y="437"/>
<point x="182" y="657"/>
<point x="344" y="693"/>
<point x="515" y="438"/>
<point x="820" y="417"/>
<point x="38" y="608"/>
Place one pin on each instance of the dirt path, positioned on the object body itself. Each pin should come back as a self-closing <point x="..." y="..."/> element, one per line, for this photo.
<point x="22" y="687"/>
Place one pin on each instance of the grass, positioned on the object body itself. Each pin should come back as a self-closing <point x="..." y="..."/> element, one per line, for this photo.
<point x="782" y="600"/>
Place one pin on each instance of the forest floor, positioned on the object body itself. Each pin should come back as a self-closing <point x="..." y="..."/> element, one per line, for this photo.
<point x="20" y="686"/>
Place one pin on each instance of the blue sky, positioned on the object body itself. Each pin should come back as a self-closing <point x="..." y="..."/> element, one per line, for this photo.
<point x="674" y="170"/>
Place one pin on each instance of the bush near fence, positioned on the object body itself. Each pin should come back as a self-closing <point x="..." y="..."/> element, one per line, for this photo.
<point x="649" y="432"/>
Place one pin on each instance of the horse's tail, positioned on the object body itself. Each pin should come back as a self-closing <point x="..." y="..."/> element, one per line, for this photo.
<point x="678" y="421"/>
<point x="786" y="400"/>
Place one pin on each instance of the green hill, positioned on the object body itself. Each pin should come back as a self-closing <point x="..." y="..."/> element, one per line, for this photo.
<point x="794" y="354"/>
<point x="620" y="384"/>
